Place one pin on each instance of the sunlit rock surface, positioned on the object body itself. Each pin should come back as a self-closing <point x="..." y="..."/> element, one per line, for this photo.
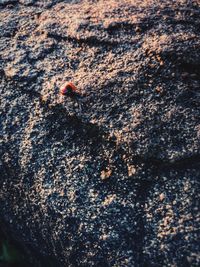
<point x="109" y="177"/>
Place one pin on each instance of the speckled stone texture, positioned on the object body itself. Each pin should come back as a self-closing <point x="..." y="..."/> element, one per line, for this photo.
<point x="109" y="177"/>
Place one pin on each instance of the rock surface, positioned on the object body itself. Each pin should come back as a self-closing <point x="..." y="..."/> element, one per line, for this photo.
<point x="109" y="177"/>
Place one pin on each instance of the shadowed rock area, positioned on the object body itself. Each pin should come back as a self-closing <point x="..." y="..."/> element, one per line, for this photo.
<point x="109" y="177"/>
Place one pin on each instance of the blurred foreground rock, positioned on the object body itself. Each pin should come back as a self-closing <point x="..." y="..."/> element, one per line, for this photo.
<point x="110" y="177"/>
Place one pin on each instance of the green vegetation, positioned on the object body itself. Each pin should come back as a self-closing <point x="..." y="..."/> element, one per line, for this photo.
<point x="9" y="253"/>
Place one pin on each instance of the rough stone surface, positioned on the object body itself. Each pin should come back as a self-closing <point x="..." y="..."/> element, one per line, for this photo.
<point x="109" y="177"/>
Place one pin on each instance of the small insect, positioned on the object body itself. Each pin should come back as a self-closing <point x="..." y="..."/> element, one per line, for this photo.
<point x="69" y="89"/>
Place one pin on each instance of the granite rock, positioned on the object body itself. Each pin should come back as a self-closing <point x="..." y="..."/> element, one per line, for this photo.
<point x="109" y="177"/>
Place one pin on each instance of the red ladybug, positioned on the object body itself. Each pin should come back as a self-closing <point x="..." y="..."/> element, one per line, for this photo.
<point x="69" y="89"/>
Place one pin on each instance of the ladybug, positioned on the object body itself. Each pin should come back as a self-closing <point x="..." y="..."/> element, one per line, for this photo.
<point x="69" y="89"/>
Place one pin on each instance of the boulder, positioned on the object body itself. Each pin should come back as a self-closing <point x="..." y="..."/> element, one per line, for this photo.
<point x="108" y="176"/>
